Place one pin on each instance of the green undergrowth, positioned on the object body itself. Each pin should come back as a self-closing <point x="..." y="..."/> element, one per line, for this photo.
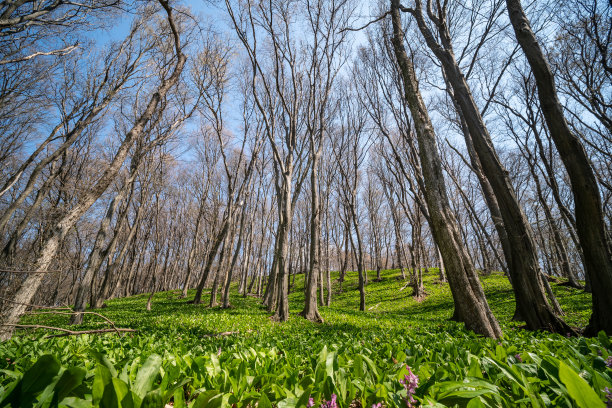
<point x="177" y="356"/>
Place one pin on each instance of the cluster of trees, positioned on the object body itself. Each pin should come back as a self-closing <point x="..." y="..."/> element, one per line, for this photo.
<point x="302" y="139"/>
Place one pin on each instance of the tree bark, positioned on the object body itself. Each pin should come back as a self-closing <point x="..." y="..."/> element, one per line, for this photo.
<point x="470" y="303"/>
<point x="588" y="207"/>
<point x="311" y="311"/>
<point x="524" y="266"/>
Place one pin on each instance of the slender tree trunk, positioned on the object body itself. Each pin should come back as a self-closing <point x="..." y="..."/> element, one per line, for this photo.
<point x="209" y="260"/>
<point x="8" y="252"/>
<point x="311" y="311"/>
<point x="192" y="251"/>
<point x="228" y="276"/>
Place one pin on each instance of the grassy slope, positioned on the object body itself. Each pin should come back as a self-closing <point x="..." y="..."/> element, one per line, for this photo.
<point x="387" y="307"/>
<point x="395" y="327"/>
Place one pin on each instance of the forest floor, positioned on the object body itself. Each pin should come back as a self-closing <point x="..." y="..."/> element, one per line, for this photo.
<point x="177" y="356"/>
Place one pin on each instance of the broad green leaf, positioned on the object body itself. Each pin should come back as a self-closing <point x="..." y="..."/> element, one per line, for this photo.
<point x="39" y="376"/>
<point x="264" y="402"/>
<point x="179" y="398"/>
<point x="153" y="399"/>
<point x="102" y="378"/>
<point x="604" y="339"/>
<point x="69" y="380"/>
<point x="146" y="375"/>
<point x="578" y="389"/>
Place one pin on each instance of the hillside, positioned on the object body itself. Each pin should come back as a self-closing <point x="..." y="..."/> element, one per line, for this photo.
<point x="178" y="357"/>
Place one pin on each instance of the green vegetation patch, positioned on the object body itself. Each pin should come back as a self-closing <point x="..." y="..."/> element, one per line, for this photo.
<point x="401" y="352"/>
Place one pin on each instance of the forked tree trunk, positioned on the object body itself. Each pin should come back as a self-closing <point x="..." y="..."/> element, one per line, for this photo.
<point x="470" y="303"/>
<point x="311" y="311"/>
<point x="524" y="266"/>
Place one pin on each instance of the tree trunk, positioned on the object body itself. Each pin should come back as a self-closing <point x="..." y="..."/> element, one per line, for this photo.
<point x="209" y="260"/>
<point x="524" y="266"/>
<point x="588" y="208"/>
<point x="470" y="303"/>
<point x="192" y="251"/>
<point x="311" y="311"/>
<point x="282" y="287"/>
<point x="228" y="277"/>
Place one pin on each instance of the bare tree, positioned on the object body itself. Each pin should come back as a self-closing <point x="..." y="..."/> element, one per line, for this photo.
<point x="588" y="208"/>
<point x="50" y="247"/>
<point x="470" y="303"/>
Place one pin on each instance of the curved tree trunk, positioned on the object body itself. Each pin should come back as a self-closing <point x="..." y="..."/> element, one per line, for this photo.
<point x="470" y="303"/>
<point x="588" y="208"/>
<point x="524" y="266"/>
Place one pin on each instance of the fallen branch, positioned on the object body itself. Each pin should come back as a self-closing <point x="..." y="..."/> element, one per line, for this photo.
<point x="67" y="311"/>
<point x="227" y="333"/>
<point x="70" y="313"/>
<point x="405" y="286"/>
<point x="67" y="332"/>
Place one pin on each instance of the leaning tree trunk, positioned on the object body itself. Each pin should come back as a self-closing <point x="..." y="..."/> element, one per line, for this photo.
<point x="470" y="302"/>
<point x="209" y="260"/>
<point x="485" y="186"/>
<point x="50" y="247"/>
<point x="524" y="265"/>
<point x="589" y="211"/>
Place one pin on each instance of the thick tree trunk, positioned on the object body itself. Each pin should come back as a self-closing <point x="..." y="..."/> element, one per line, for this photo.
<point x="470" y="303"/>
<point x="588" y="208"/>
<point x="282" y="287"/>
<point x="524" y="266"/>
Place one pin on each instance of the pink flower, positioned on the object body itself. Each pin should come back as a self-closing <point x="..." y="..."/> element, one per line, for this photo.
<point x="518" y="358"/>
<point x="331" y="403"/>
<point x="379" y="405"/>
<point x="608" y="397"/>
<point x="410" y="383"/>
<point x="310" y="402"/>
<point x="609" y="362"/>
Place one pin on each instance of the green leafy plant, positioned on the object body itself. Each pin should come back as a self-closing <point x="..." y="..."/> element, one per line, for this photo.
<point x="360" y="357"/>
